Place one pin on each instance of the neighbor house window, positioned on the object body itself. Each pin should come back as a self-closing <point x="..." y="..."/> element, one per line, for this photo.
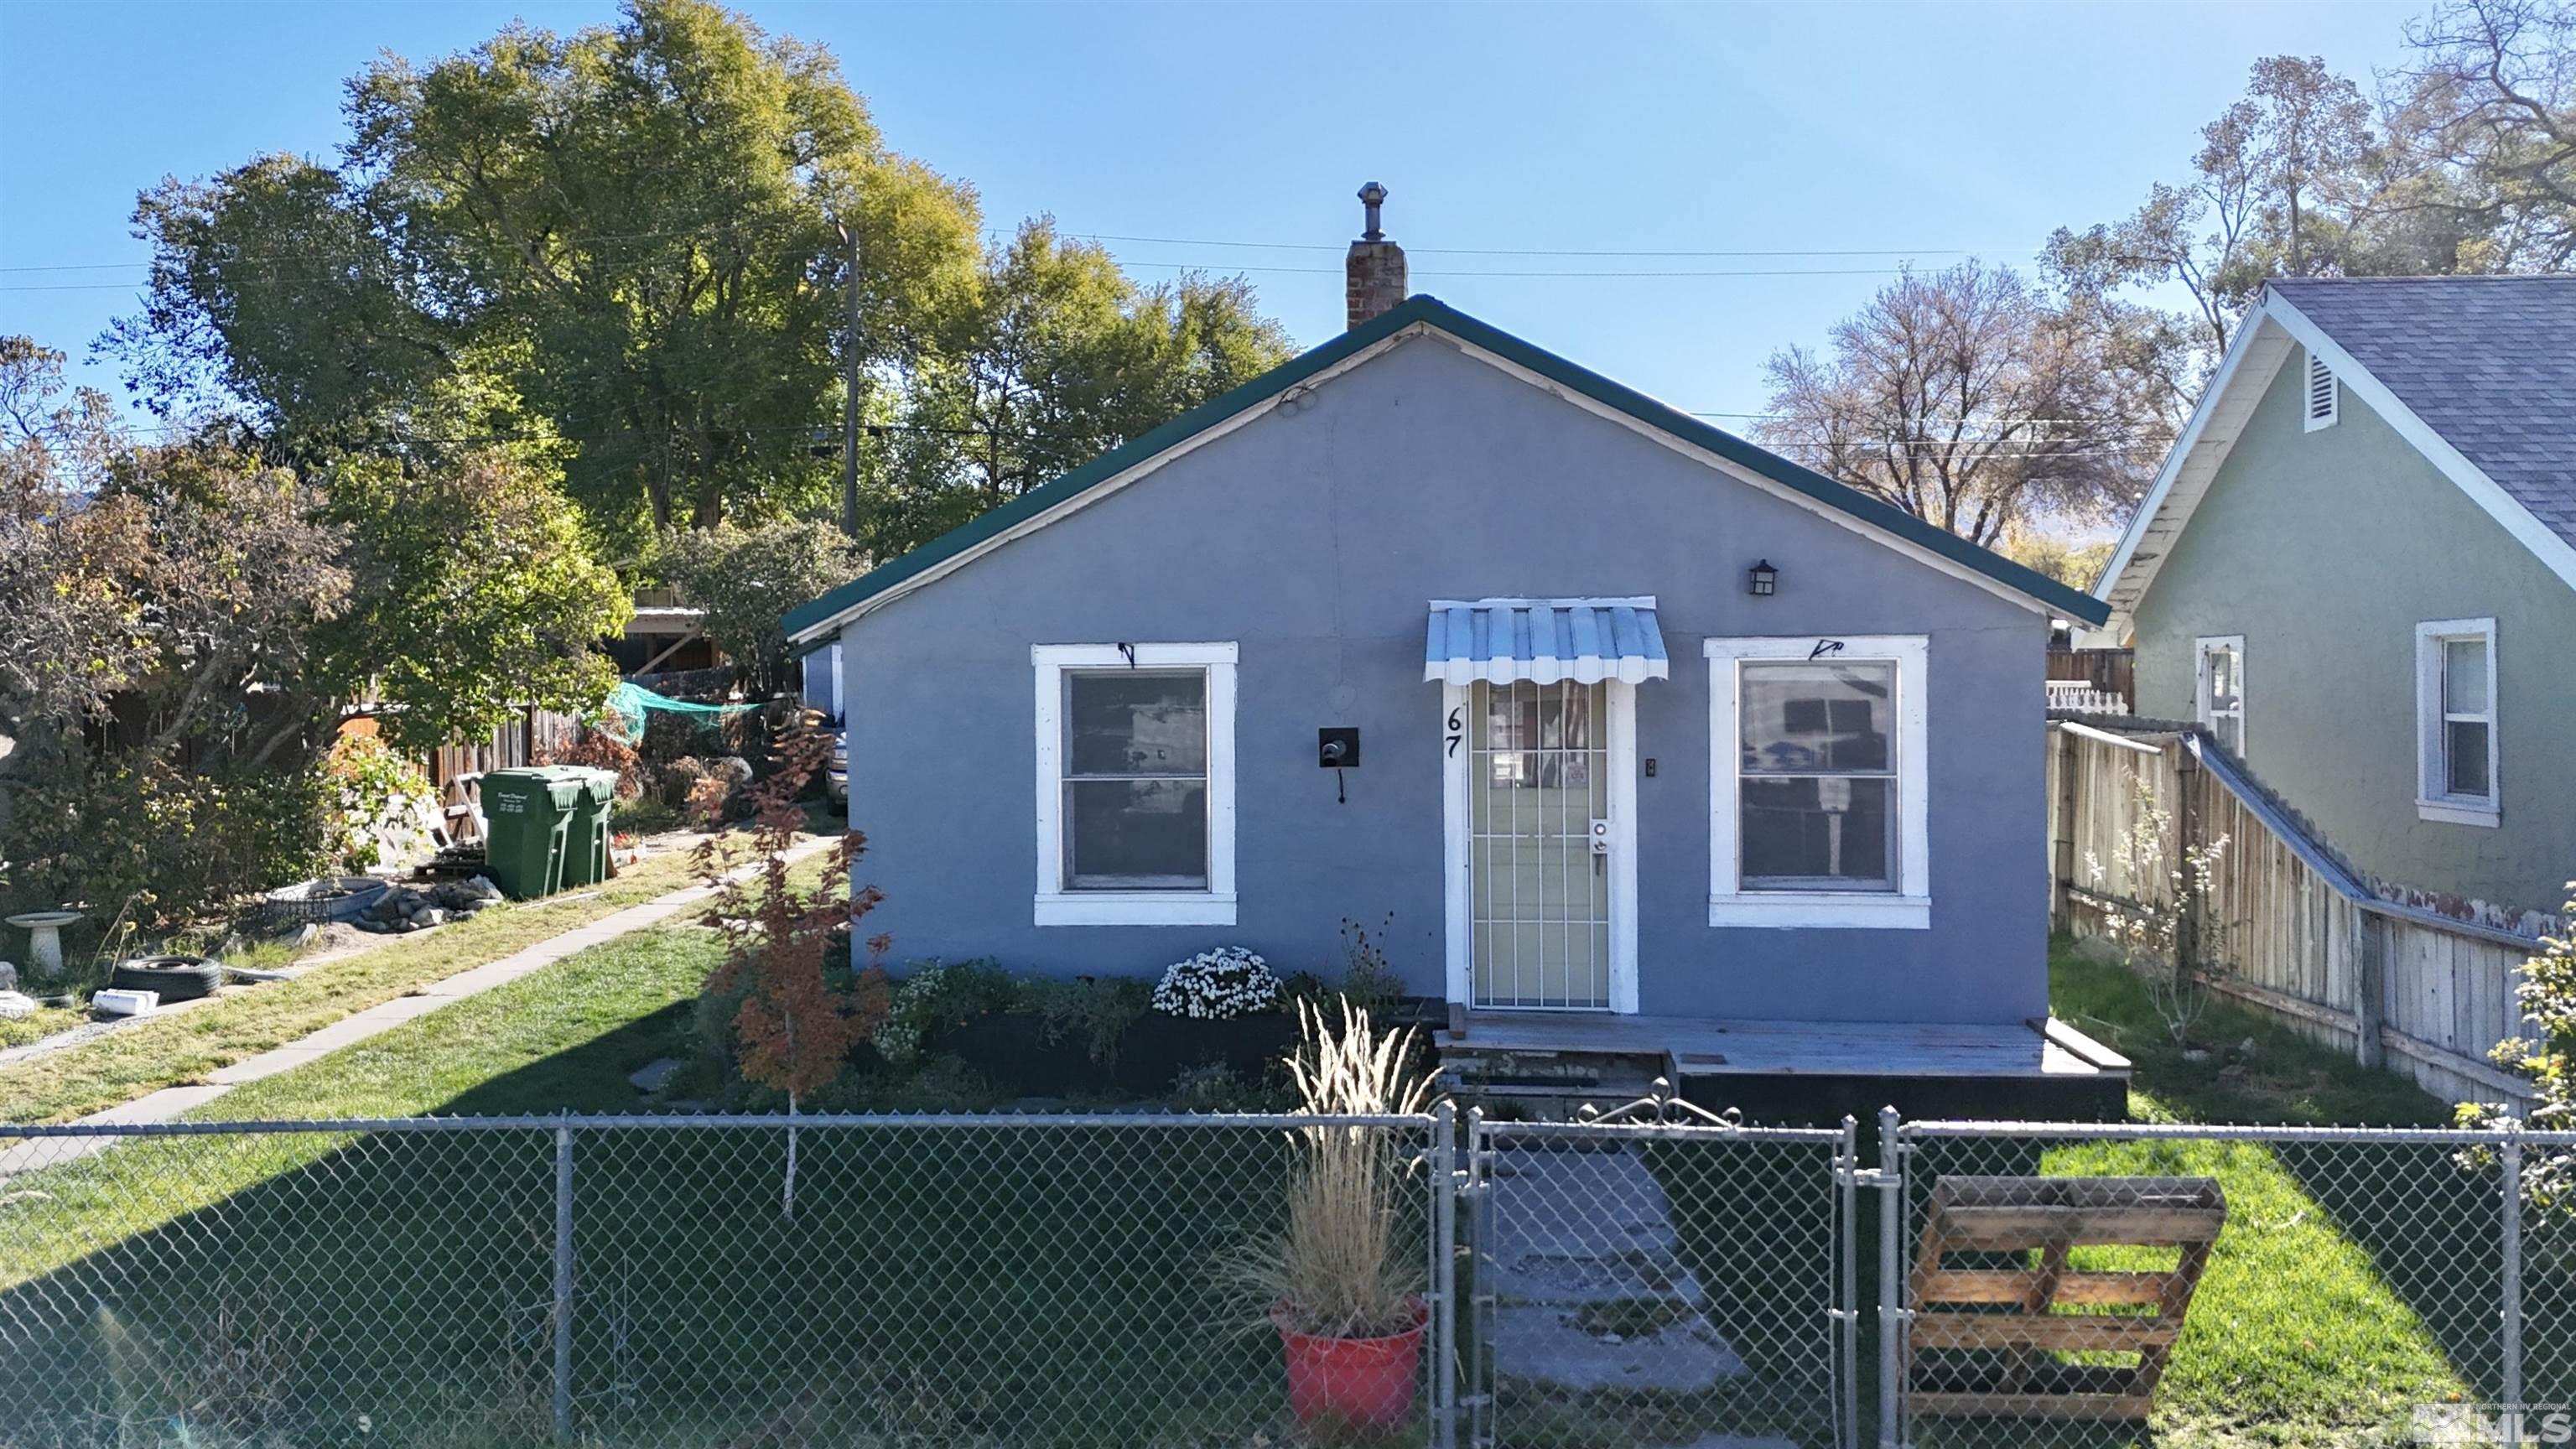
<point x="1817" y="804"/>
<point x="1135" y="777"/>
<point x="2455" y="721"/>
<point x="2218" y="698"/>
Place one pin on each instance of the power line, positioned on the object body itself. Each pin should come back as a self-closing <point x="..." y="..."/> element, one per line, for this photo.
<point x="1528" y="251"/>
<point x="1302" y="271"/>
<point x="723" y="227"/>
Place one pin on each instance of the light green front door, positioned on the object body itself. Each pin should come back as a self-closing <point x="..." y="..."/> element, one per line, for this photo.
<point x="1538" y="792"/>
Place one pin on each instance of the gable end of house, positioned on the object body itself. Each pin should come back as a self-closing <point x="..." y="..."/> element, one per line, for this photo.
<point x="814" y="622"/>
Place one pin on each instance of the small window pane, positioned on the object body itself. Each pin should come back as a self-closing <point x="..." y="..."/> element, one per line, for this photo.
<point x="2464" y="676"/>
<point x="1819" y="833"/>
<point x="1136" y="834"/>
<point x="1129" y="722"/>
<point x="2464" y="742"/>
<point x="2220" y="678"/>
<point x="2230" y="730"/>
<point x="1812" y="717"/>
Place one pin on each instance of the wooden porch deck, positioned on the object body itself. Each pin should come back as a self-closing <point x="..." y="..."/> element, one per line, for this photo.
<point x="1694" y="1047"/>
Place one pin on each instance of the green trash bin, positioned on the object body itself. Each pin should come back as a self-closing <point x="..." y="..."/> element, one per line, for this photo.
<point x="586" y="834"/>
<point x="528" y="814"/>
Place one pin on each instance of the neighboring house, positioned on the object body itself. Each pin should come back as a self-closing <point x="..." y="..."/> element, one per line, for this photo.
<point x="1609" y="711"/>
<point x="2358" y="569"/>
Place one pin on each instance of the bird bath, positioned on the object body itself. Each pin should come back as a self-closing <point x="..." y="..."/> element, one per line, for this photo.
<point x="45" y="941"/>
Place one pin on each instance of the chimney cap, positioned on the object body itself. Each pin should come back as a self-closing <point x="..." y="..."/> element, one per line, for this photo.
<point x="1372" y="196"/>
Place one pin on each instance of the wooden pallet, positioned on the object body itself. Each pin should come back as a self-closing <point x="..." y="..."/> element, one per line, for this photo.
<point x="1991" y="1331"/>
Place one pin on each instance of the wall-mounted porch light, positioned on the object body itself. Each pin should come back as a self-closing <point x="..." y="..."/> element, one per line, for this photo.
<point x="1763" y="580"/>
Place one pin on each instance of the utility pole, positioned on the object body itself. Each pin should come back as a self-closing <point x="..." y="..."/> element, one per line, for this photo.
<point x="850" y="356"/>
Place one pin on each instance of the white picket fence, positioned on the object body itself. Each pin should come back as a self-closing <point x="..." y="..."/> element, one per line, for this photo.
<point x="2080" y="696"/>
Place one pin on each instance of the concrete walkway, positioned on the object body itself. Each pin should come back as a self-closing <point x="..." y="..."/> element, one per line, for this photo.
<point x="172" y="1102"/>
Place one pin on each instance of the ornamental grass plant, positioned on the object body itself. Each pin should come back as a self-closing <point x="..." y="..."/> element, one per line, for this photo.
<point x="1345" y="1265"/>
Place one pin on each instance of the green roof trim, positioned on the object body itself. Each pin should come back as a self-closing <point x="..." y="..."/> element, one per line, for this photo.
<point x="2072" y="603"/>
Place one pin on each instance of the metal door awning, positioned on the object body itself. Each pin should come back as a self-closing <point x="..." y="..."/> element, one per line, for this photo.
<point x="1545" y="641"/>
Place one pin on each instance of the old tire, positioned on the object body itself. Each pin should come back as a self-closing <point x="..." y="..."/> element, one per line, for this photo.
<point x="177" y="978"/>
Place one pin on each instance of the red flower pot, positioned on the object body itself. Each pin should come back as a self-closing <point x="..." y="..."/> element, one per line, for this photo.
<point x="1353" y="1382"/>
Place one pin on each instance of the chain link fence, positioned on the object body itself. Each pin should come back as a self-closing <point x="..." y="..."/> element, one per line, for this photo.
<point x="1643" y="1280"/>
<point x="2092" y="1285"/>
<point x="680" y="1281"/>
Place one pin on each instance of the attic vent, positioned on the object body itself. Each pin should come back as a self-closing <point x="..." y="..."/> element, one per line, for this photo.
<point x="2322" y="394"/>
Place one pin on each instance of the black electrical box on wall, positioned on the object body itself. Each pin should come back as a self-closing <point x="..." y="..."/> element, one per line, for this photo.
<point x="1337" y="747"/>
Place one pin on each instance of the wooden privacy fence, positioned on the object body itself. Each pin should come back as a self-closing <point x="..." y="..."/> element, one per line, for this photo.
<point x="2301" y="937"/>
<point x="512" y="744"/>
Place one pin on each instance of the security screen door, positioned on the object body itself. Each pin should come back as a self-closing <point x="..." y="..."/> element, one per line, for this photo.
<point x="1538" y="780"/>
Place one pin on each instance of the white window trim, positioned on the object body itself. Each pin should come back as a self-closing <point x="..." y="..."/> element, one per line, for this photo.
<point x="2201" y="713"/>
<point x="1909" y="906"/>
<point x="2319" y="368"/>
<point x="1058" y="906"/>
<point x="2432" y="802"/>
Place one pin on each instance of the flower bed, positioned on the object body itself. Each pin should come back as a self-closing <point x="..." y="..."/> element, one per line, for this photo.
<point x="966" y="1034"/>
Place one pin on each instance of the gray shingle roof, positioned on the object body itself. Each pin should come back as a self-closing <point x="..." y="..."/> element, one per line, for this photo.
<point x="2487" y="362"/>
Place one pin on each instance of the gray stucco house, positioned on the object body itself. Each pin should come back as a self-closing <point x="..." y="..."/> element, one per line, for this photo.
<point x="2358" y="568"/>
<point x="1616" y="716"/>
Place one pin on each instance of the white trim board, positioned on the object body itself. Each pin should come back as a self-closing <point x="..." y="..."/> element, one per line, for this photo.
<point x="1457" y="848"/>
<point x="1909" y="906"/>
<point x="1057" y="905"/>
<point x="2263" y="343"/>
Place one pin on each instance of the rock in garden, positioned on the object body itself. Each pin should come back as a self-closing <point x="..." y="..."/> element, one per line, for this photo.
<point x="15" y="1004"/>
<point x="8" y="977"/>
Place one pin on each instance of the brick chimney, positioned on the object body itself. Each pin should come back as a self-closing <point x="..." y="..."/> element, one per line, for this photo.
<point x="1375" y="266"/>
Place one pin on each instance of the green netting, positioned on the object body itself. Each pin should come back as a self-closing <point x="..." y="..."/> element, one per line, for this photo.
<point x="629" y="704"/>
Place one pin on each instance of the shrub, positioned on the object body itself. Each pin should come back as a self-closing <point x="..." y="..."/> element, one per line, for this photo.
<point x="2547" y="1059"/>
<point x="706" y="802"/>
<point x="1097" y="1008"/>
<point x="385" y="805"/>
<point x="1215" y="985"/>
<point x="935" y="997"/>
<point x="1368" y="982"/>
<point x="1218" y="1087"/>
<point x="171" y="841"/>
<point x="597" y="749"/>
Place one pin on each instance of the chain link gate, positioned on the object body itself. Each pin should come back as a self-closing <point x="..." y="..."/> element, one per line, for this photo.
<point x="1659" y="1275"/>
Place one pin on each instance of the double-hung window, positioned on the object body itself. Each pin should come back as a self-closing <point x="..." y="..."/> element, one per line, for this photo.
<point x="1135" y="784"/>
<point x="1817" y="807"/>
<point x="2455" y="722"/>
<point x="2218" y="689"/>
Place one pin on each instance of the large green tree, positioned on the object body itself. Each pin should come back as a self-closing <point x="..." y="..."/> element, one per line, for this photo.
<point x="1059" y="358"/>
<point x="640" y="237"/>
<point x="637" y="228"/>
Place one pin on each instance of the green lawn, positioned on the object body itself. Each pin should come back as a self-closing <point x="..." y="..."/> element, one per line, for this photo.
<point x="2351" y="1282"/>
<point x="973" y="1286"/>
<point x="243" y="1022"/>
<point x="936" y="1286"/>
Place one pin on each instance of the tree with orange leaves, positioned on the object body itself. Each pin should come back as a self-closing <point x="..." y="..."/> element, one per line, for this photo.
<point x="793" y="1029"/>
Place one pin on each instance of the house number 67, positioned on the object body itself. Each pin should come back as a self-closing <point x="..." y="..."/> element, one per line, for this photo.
<point x="1457" y="728"/>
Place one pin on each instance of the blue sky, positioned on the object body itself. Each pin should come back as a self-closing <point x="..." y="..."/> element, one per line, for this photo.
<point x="1922" y="131"/>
